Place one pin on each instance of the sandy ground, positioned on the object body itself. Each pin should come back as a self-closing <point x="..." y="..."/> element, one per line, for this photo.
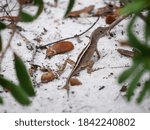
<point x="88" y="97"/>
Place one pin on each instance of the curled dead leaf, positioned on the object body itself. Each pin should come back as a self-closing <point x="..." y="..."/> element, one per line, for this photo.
<point x="75" y="81"/>
<point x="126" y="53"/>
<point x="85" y="10"/>
<point x="47" y="77"/>
<point x="110" y="19"/>
<point x="59" y="47"/>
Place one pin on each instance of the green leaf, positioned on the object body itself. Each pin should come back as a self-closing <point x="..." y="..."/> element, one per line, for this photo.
<point x="29" y="18"/>
<point x="133" y="40"/>
<point x="133" y="83"/>
<point x="127" y="73"/>
<point x="16" y="91"/>
<point x="40" y="5"/>
<point x="2" y="26"/>
<point x="147" y="28"/>
<point x="135" y="6"/>
<point x="26" y="17"/>
<point x="1" y="100"/>
<point x="70" y="6"/>
<point x="23" y="76"/>
<point x="1" y="43"/>
<point x="143" y="92"/>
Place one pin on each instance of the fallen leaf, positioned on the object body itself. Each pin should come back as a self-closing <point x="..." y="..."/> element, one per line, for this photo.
<point x="104" y="11"/>
<point x="47" y="77"/>
<point x="85" y="10"/>
<point x="110" y="19"/>
<point x="74" y="81"/>
<point x="126" y="53"/>
<point x="59" y="47"/>
<point x="24" y="1"/>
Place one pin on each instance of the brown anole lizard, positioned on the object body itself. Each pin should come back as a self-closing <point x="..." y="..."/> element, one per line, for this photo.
<point x="84" y="58"/>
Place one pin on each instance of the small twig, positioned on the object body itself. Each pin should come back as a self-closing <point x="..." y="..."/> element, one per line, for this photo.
<point x="77" y="35"/>
<point x="117" y="22"/>
<point x="29" y="43"/>
<point x="119" y="67"/>
<point x="8" y="46"/>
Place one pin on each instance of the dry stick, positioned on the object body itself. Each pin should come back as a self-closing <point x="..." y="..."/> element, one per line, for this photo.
<point x="30" y="47"/>
<point x="77" y="35"/>
<point x="9" y="41"/>
<point x="6" y="48"/>
<point x="117" y="22"/>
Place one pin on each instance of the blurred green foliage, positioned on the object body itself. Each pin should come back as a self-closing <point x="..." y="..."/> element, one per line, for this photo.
<point x="25" y="89"/>
<point x="141" y="61"/>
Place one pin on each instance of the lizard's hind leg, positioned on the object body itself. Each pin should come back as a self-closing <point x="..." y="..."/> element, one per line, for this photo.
<point x="90" y="67"/>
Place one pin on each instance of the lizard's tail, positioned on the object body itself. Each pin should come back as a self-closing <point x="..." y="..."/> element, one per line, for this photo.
<point x="67" y="87"/>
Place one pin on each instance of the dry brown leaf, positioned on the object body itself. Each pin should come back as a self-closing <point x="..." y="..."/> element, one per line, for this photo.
<point x="106" y="10"/>
<point x="24" y="1"/>
<point x="85" y="10"/>
<point x="110" y="19"/>
<point x="126" y="53"/>
<point x="58" y="48"/>
<point x="47" y="77"/>
<point x="74" y="81"/>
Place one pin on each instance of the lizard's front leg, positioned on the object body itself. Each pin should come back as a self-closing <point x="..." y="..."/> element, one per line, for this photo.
<point x="98" y="54"/>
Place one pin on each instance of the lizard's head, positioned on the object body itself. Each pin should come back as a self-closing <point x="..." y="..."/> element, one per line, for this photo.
<point x="100" y="32"/>
<point x="103" y="30"/>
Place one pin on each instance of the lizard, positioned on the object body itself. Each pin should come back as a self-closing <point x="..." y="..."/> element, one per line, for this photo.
<point x="84" y="58"/>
